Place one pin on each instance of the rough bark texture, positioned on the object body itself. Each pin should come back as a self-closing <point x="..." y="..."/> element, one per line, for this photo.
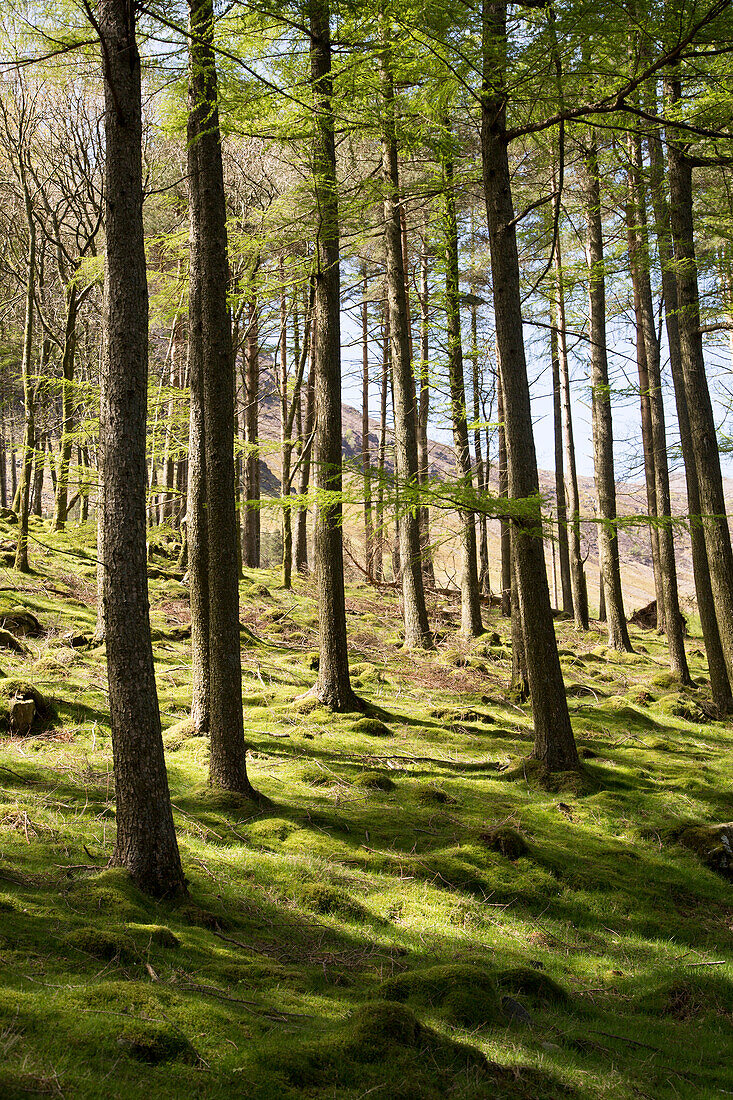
<point x="640" y="265"/>
<point x="211" y="324"/>
<point x="251" y="514"/>
<point x="29" y="430"/>
<point x="481" y="469"/>
<point x="618" y="634"/>
<point x="562" y="517"/>
<point x="505" y="534"/>
<point x="471" y="624"/>
<point x="333" y="687"/>
<point x="554" y="744"/>
<point x="423" y="456"/>
<point x="301" y="517"/>
<point x="519" y="685"/>
<point x="67" y="408"/>
<point x="702" y="423"/>
<point x="146" y="841"/>
<point x="366" y="463"/>
<point x="417" y="628"/>
<point x="719" y="681"/>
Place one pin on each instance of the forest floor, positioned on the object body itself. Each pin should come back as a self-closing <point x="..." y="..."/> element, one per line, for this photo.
<point x="414" y="915"/>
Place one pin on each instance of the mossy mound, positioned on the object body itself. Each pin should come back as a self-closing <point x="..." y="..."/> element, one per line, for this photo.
<point x="536" y="776"/>
<point x="257" y="591"/>
<point x="110" y="893"/>
<point x="435" y="796"/>
<point x="713" y="845"/>
<point x="99" y="944"/>
<point x="464" y="994"/>
<point x="324" y="899"/>
<point x="372" y="727"/>
<point x="680" y="705"/>
<point x="318" y="777"/>
<point x="158" y="934"/>
<point x="509" y="842"/>
<point x="202" y="918"/>
<point x="11" y="688"/>
<point x="20" y="621"/>
<point x="384" y="1042"/>
<point x="532" y="983"/>
<point x="374" y="781"/>
<point x="154" y="1044"/>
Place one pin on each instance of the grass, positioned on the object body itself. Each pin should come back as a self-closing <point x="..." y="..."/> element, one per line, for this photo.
<point x="414" y="915"/>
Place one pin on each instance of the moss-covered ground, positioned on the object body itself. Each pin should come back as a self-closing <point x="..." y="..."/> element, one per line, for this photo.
<point x="414" y="914"/>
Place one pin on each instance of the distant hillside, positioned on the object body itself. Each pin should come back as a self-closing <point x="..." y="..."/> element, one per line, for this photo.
<point x="634" y="542"/>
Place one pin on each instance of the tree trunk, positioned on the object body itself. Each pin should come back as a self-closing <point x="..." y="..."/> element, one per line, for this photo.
<point x="712" y="513"/>
<point x="382" y="452"/>
<point x="640" y="264"/>
<point x="423" y="456"/>
<point x="417" y="628"/>
<point x="471" y="624"/>
<point x="301" y="522"/>
<point x="333" y="687"/>
<point x="481" y="470"/>
<point x="251" y="514"/>
<point x="29" y="432"/>
<point x="67" y="407"/>
<point x="618" y="634"/>
<point x="719" y="681"/>
<point x="519" y="686"/>
<point x="562" y="516"/>
<point x="554" y="745"/>
<point x="504" y="527"/>
<point x="211" y="325"/>
<point x="365" y="455"/>
<point x="146" y="841"/>
<point x="577" y="572"/>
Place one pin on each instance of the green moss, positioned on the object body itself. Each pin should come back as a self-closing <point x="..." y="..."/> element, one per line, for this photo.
<point x="155" y="1043"/>
<point x="372" y="727"/>
<point x="374" y="781"/>
<point x="158" y="934"/>
<point x="102" y="945"/>
<point x="326" y="900"/>
<point x="532" y="983"/>
<point x="509" y="842"/>
<point x="464" y="994"/>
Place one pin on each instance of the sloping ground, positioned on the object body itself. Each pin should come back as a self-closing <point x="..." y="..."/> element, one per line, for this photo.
<point x="634" y="544"/>
<point x="414" y="915"/>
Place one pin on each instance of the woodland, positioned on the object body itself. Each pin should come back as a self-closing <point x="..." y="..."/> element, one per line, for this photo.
<point x="366" y="580"/>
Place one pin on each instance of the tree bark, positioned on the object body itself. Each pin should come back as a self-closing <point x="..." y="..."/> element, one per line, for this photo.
<point x="146" y="841"/>
<point x="505" y="534"/>
<point x="251" y="514"/>
<point x="471" y="624"/>
<point x="423" y="416"/>
<point x="67" y="407"/>
<point x="333" y="687"/>
<point x="618" y="634"/>
<point x="211" y="325"/>
<point x="712" y="513"/>
<point x="639" y="256"/>
<point x="481" y="470"/>
<point x="29" y="431"/>
<point x="554" y="745"/>
<point x="562" y="516"/>
<point x="719" y="680"/>
<point x="365" y="453"/>
<point x="577" y="572"/>
<point x="417" y="628"/>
